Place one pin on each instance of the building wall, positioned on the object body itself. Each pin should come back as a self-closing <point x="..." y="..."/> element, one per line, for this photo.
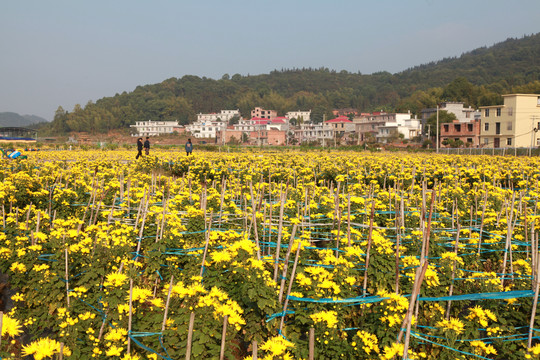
<point x="517" y="119"/>
<point x="277" y="137"/>
<point x="305" y="115"/>
<point x="154" y="128"/>
<point x="262" y="113"/>
<point x="468" y="132"/>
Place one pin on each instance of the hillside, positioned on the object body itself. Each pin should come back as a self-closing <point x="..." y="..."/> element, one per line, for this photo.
<point x="13" y="119"/>
<point x="478" y="78"/>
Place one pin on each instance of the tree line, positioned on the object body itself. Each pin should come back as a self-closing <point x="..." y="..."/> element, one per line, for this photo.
<point x="476" y="78"/>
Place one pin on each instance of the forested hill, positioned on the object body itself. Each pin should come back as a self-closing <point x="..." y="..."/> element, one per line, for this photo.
<point x="478" y="78"/>
<point x="8" y="119"/>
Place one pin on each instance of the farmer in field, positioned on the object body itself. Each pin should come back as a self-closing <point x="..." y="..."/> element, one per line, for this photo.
<point x="139" y="148"/>
<point x="189" y="147"/>
<point x="147" y="146"/>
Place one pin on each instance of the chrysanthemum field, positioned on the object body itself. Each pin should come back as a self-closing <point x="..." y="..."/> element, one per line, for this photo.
<point x="270" y="255"/>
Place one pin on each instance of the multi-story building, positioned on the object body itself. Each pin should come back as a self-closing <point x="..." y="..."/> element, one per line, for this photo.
<point x="467" y="132"/>
<point x="300" y="116"/>
<point x="514" y="124"/>
<point x="462" y="113"/>
<point x="307" y="133"/>
<point x="341" y="125"/>
<point x="223" y="115"/>
<point x="154" y="128"/>
<point x="367" y="125"/>
<point x="407" y="127"/>
<point x="263" y="114"/>
<point x="261" y="136"/>
<point x="206" y="129"/>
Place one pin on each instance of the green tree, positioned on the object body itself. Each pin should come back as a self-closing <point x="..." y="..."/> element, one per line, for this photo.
<point x="59" y="123"/>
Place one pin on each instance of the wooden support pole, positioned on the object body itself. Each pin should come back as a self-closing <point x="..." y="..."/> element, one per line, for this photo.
<point x="535" y="302"/>
<point x="283" y="198"/>
<point x="290" y="287"/>
<point x="364" y="287"/>
<point x="167" y="305"/>
<point x="130" y="314"/>
<point x="286" y="263"/>
<point x="223" y="337"/>
<point x="311" y="343"/>
<point x="190" y="335"/>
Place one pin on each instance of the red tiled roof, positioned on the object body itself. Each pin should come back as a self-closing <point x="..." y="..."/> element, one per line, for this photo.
<point x="339" y="119"/>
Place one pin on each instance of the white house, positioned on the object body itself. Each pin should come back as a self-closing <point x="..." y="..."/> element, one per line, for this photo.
<point x="314" y="132"/>
<point x="305" y="116"/>
<point x="206" y="129"/>
<point x="154" y="128"/>
<point x="223" y="115"/>
<point x="400" y="124"/>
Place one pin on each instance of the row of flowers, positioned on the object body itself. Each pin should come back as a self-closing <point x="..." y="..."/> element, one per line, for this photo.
<point x="92" y="245"/>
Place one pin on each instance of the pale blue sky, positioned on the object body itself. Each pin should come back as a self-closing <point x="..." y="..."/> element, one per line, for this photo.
<point x="64" y="52"/>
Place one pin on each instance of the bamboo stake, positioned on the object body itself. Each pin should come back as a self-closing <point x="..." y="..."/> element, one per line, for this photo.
<point x="311" y="343"/>
<point x="66" y="270"/>
<point x="190" y="335"/>
<point x="280" y="229"/>
<point x="290" y="287"/>
<point x="167" y="305"/>
<point x="286" y="263"/>
<point x="482" y="221"/>
<point x="454" y="265"/>
<point x="130" y="314"/>
<point x="223" y="186"/>
<point x="364" y="287"/>
<point x="508" y="238"/>
<point x="419" y="278"/>
<point x="338" y="216"/>
<point x="254" y="350"/>
<point x="223" y="337"/>
<point x="61" y="355"/>
<point x="349" y="220"/>
<point x="207" y="240"/>
<point x="535" y="302"/>
<point x="141" y="230"/>
<point x="254" y="222"/>
<point x="398" y="240"/>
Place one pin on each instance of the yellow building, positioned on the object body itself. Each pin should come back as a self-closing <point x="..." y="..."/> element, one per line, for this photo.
<point x="514" y="124"/>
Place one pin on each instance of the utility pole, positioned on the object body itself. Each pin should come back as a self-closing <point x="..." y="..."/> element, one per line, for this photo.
<point x="437" y="128"/>
<point x="533" y="131"/>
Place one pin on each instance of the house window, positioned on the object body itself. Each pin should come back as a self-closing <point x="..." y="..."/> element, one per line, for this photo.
<point x="537" y="142"/>
<point x="486" y="126"/>
<point x="509" y="125"/>
<point x="510" y="111"/>
<point x="486" y="141"/>
<point x="467" y="114"/>
<point x="445" y="128"/>
<point x="457" y="127"/>
<point x="486" y="112"/>
<point x="498" y="111"/>
<point x="469" y="127"/>
<point x="469" y="140"/>
<point x="509" y="141"/>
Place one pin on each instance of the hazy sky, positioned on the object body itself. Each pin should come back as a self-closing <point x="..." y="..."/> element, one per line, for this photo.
<point x="63" y="52"/>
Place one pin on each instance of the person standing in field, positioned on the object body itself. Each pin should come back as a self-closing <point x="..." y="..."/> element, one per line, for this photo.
<point x="147" y="146"/>
<point x="139" y="148"/>
<point x="189" y="147"/>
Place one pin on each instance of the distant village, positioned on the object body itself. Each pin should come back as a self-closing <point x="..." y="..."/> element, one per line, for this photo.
<point x="515" y="123"/>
